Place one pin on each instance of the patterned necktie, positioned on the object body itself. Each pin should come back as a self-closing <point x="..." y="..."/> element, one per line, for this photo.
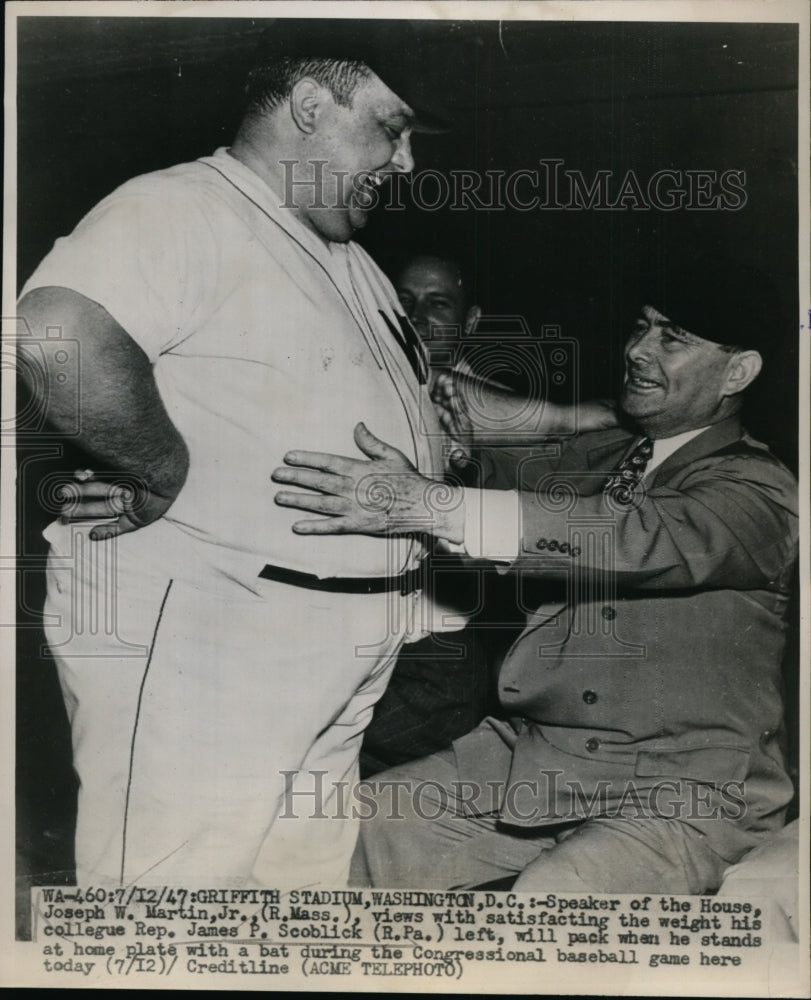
<point x="623" y="483"/>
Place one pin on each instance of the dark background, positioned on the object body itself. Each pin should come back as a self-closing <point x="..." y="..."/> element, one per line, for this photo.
<point x="103" y="99"/>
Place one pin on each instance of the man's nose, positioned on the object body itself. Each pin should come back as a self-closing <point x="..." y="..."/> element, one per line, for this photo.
<point x="403" y="159"/>
<point x="640" y="346"/>
<point x="418" y="314"/>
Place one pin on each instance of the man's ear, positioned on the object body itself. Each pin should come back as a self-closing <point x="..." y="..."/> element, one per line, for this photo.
<point x="307" y="99"/>
<point x="742" y="369"/>
<point x="472" y="317"/>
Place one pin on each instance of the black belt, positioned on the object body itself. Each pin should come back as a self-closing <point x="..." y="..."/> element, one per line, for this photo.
<point x="406" y="583"/>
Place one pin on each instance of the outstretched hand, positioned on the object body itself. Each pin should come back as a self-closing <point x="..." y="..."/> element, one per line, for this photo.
<point x="382" y="496"/>
<point x="478" y="412"/>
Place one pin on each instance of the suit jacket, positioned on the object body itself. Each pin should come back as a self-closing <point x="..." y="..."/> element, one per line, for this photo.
<point x="651" y="660"/>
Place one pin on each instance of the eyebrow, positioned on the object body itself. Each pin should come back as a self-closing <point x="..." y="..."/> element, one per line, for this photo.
<point x="666" y="324"/>
<point x="673" y="328"/>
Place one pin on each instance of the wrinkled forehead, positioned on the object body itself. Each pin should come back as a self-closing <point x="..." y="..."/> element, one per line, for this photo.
<point x="655" y="317"/>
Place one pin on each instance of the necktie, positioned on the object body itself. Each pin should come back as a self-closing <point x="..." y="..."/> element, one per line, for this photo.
<point x="410" y="344"/>
<point x="622" y="484"/>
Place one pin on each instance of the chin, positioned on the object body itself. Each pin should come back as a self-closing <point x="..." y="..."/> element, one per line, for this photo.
<point x="628" y="403"/>
<point x="336" y="229"/>
<point x="640" y="401"/>
<point x="340" y="234"/>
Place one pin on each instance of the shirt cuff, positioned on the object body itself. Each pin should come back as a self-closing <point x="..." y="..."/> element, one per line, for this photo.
<point x="492" y="524"/>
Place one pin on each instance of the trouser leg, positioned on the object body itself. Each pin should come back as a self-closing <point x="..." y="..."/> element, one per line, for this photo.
<point x="626" y="855"/>
<point x="313" y="837"/>
<point x="187" y="716"/>
<point x="428" y="829"/>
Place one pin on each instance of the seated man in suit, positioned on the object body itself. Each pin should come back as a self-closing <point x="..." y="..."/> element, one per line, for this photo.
<point x="643" y="747"/>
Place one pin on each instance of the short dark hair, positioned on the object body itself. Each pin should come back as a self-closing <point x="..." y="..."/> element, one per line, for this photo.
<point x="269" y="83"/>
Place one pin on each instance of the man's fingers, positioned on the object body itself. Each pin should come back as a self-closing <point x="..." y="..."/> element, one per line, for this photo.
<point x="316" y="503"/>
<point x="459" y="458"/>
<point x="374" y="447"/>
<point x="121" y="494"/>
<point x="446" y="419"/>
<point x="443" y="385"/>
<point x="111" y="529"/>
<point x="324" y="482"/>
<point x="72" y="492"/>
<point x="82" y="510"/>
<point x="90" y="499"/>
<point x="324" y="526"/>
<point x="336" y="464"/>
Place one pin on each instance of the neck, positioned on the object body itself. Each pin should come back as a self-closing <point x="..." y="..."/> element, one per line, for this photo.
<point x="256" y="155"/>
<point x="257" y="147"/>
<point x="658" y="430"/>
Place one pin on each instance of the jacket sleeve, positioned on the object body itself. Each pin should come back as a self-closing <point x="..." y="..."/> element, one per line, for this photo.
<point x="727" y="521"/>
<point x="502" y="468"/>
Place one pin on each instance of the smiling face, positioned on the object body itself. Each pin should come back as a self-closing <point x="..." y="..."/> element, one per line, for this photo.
<point x="675" y="381"/>
<point x="430" y="290"/>
<point x="350" y="152"/>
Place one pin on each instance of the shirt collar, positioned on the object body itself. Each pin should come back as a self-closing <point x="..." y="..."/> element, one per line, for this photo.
<point x="663" y="448"/>
<point x="268" y="200"/>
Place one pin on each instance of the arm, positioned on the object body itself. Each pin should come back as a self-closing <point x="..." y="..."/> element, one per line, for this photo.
<point x="382" y="496"/>
<point x="478" y="413"/>
<point x="731" y="523"/>
<point x="123" y="424"/>
<point x="728" y="522"/>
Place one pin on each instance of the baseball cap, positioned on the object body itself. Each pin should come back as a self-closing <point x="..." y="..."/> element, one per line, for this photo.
<point x="718" y="298"/>
<point x="392" y="49"/>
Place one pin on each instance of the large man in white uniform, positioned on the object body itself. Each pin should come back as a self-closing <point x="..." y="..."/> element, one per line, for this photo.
<point x="219" y="669"/>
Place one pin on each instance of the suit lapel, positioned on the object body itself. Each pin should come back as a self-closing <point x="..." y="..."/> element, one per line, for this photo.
<point x="598" y="453"/>
<point x="607" y="456"/>
<point x="715" y="438"/>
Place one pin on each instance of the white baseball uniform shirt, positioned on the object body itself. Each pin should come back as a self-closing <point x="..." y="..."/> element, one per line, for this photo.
<point x="207" y="703"/>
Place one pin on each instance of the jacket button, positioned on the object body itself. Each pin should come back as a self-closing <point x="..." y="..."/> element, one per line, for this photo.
<point x="608" y="613"/>
<point x="592" y="744"/>
<point x="589" y="697"/>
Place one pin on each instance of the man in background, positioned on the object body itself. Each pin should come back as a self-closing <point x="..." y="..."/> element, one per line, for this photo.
<point x="436" y="295"/>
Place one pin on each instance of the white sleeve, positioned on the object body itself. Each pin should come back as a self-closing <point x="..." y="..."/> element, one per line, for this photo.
<point x="492" y="524"/>
<point x="143" y="254"/>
